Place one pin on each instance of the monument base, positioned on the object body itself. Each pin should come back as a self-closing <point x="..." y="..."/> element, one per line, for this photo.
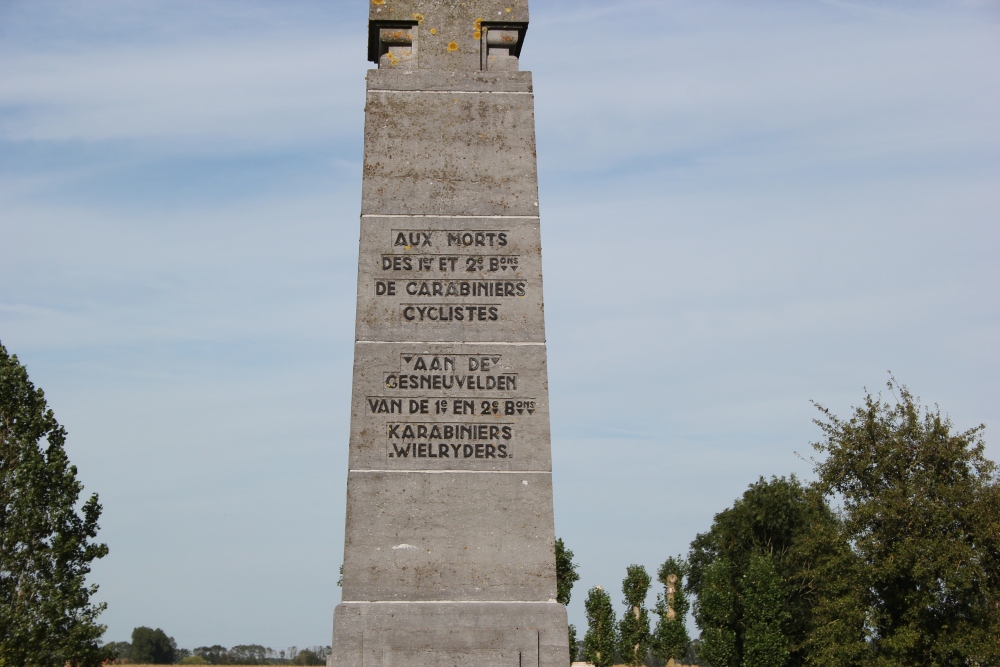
<point x="449" y="634"/>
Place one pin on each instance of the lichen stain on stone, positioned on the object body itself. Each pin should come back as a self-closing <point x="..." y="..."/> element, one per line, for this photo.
<point x="452" y="46"/>
<point x="378" y="2"/>
<point x="417" y="17"/>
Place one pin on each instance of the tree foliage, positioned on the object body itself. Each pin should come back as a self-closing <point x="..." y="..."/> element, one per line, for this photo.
<point x="308" y="657"/>
<point x="46" y="544"/>
<point x="716" y="614"/>
<point x="599" y="642"/>
<point x="791" y="525"/>
<point x="670" y="638"/>
<point x="566" y="574"/>
<point x="152" y="647"/>
<point x="921" y="512"/>
<point x="764" y="641"/>
<point x="633" y="629"/>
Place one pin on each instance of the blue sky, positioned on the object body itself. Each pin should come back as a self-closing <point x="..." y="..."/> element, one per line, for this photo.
<point x="745" y="207"/>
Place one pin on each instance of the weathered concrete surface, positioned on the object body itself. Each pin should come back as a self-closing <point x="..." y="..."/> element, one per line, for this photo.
<point x="449" y="34"/>
<point x="452" y="634"/>
<point x="452" y="536"/>
<point x="453" y="81"/>
<point x="449" y="153"/>
<point x="450" y="407"/>
<point x="449" y="541"/>
<point x="447" y="279"/>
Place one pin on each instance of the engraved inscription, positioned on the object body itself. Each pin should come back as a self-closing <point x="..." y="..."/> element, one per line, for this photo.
<point x="453" y="409"/>
<point x="426" y="275"/>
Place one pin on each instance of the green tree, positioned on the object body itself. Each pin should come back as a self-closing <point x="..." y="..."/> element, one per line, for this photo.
<point x="153" y="647"/>
<point x="308" y="657"/>
<point x="599" y="642"/>
<point x="670" y="638"/>
<point x="633" y="629"/>
<point x="248" y="654"/>
<point x="795" y="528"/>
<point x="46" y="544"/>
<point x="214" y="655"/>
<point x="566" y="574"/>
<point x="716" y="614"/>
<point x="764" y="641"/>
<point x="118" y="650"/>
<point x="921" y="512"/>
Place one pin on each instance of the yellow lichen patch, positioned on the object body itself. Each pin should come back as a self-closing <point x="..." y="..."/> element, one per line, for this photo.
<point x="477" y="28"/>
<point x="452" y="46"/>
<point x="434" y="31"/>
<point x="507" y="9"/>
<point x="417" y="17"/>
<point x="378" y="2"/>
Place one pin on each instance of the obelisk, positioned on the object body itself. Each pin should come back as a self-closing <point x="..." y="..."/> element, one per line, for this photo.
<point x="449" y="547"/>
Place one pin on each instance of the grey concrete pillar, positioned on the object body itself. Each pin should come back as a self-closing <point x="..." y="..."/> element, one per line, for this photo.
<point x="449" y="547"/>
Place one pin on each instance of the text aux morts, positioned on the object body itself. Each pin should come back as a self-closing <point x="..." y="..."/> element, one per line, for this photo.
<point x="443" y="238"/>
<point x="450" y="441"/>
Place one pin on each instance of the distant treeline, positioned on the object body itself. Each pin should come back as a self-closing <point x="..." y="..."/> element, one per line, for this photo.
<point x="155" y="647"/>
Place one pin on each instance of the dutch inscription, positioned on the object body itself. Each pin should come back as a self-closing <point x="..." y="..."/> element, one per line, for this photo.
<point x="451" y="408"/>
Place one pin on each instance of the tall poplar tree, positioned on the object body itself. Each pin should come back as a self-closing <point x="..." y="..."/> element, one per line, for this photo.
<point x="599" y="642"/>
<point x="633" y="629"/>
<point x="566" y="576"/>
<point x="764" y="641"/>
<point x="670" y="638"/>
<point x="46" y="544"/>
<point x="717" y="615"/>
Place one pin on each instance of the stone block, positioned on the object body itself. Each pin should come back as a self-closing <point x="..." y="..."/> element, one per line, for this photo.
<point x="449" y="33"/>
<point x="470" y="536"/>
<point x="449" y="153"/>
<point x="450" y="634"/>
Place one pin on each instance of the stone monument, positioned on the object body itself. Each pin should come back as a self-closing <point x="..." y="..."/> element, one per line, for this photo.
<point x="449" y="547"/>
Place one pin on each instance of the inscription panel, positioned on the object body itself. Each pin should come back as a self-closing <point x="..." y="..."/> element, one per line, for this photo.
<point x="448" y="279"/>
<point x="421" y="406"/>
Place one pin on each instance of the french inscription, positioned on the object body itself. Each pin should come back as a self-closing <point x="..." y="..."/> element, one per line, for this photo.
<point x="451" y="264"/>
<point x="424" y="275"/>
<point x="449" y="238"/>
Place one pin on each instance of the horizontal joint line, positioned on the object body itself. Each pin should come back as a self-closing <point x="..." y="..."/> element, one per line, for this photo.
<point x="449" y="602"/>
<point x="440" y="342"/>
<point x="462" y="217"/>
<point x="452" y="92"/>
<point x="471" y="472"/>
